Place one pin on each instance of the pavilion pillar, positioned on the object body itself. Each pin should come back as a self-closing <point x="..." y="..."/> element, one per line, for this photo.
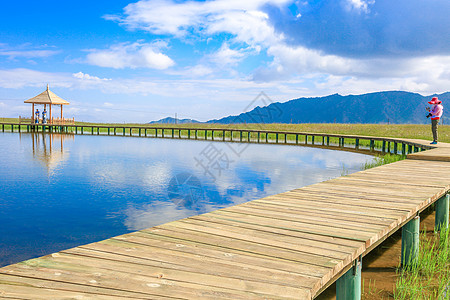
<point x="32" y="113"/>
<point x="61" y="112"/>
<point x="50" y="114"/>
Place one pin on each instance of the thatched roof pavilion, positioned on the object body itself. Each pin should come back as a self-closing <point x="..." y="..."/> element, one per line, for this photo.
<point x="47" y="97"/>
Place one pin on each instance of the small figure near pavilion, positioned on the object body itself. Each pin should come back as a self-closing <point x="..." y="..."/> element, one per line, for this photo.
<point x="36" y="116"/>
<point x="44" y="117"/>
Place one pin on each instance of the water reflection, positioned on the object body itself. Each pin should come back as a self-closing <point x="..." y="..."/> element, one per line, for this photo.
<point x="49" y="148"/>
<point x="102" y="186"/>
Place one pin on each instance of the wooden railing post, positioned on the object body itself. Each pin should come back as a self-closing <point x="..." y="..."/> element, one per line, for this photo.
<point x="348" y="286"/>
<point x="442" y="213"/>
<point x="410" y="242"/>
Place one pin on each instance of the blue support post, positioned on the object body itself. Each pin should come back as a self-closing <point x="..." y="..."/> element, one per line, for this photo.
<point x="410" y="242"/>
<point x="442" y="213"/>
<point x="348" y="286"/>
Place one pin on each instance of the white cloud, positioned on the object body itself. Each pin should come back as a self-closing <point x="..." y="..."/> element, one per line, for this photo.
<point x="359" y="5"/>
<point x="21" y="77"/>
<point x="135" y="55"/>
<point x="83" y="76"/>
<point x="244" y="19"/>
<point x="12" y="54"/>
<point x="26" y="51"/>
<point x="196" y="71"/>
<point x="226" y="56"/>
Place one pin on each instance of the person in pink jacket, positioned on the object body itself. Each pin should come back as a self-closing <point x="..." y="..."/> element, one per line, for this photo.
<point x="435" y="113"/>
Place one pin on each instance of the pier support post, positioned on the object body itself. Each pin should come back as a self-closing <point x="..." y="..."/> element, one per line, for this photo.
<point x="403" y="149"/>
<point x="312" y="139"/>
<point x="348" y="286"/>
<point x="328" y="140"/>
<point x="383" y="149"/>
<point x="442" y="213"/>
<point x="410" y="242"/>
<point x="356" y="143"/>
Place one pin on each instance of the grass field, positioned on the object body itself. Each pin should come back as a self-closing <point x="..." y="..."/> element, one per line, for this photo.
<point x="429" y="277"/>
<point x="411" y="131"/>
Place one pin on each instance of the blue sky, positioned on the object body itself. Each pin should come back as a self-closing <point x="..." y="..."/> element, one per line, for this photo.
<point x="140" y="61"/>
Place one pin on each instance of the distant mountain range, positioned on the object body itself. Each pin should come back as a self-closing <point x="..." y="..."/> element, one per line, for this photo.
<point x="394" y="107"/>
<point x="170" y="120"/>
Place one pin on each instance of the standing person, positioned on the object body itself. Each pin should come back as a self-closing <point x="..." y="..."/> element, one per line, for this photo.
<point x="44" y="117"/>
<point x="36" y="116"/>
<point x="435" y="113"/>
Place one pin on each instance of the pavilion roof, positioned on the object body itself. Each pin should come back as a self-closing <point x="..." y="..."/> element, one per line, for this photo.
<point x="47" y="97"/>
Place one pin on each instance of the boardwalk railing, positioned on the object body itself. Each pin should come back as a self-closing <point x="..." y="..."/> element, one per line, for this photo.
<point x="382" y="144"/>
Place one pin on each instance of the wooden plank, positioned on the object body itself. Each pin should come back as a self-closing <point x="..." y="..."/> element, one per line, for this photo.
<point x="244" y="245"/>
<point x="335" y="244"/>
<point x="14" y="287"/>
<point x="337" y="208"/>
<point x="234" y="256"/>
<point x="342" y="190"/>
<point x="176" y="276"/>
<point x="62" y="288"/>
<point x="256" y="236"/>
<point x="404" y="180"/>
<point x="173" y="260"/>
<point x="355" y="194"/>
<point x="324" y="230"/>
<point x="96" y="275"/>
<point x="287" y="215"/>
<point x="352" y="200"/>
<point x="330" y="215"/>
<point x="376" y="188"/>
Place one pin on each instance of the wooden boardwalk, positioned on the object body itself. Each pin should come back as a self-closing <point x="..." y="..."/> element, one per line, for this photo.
<point x="287" y="246"/>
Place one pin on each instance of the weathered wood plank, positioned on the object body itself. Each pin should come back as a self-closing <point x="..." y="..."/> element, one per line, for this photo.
<point x="213" y="251"/>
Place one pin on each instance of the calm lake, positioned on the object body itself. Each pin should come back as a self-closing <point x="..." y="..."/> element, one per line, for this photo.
<point x="61" y="191"/>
